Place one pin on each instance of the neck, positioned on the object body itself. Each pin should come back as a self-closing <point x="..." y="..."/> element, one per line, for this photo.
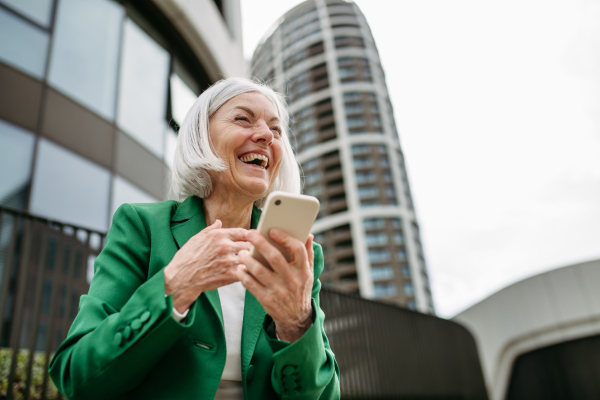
<point x="233" y="211"/>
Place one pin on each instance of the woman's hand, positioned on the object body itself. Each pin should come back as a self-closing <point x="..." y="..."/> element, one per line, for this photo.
<point x="285" y="291"/>
<point x="206" y="262"/>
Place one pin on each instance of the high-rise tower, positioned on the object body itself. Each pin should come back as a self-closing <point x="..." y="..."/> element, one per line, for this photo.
<point x="322" y="55"/>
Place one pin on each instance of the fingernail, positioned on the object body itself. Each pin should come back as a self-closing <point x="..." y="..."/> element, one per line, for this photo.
<point x="275" y="232"/>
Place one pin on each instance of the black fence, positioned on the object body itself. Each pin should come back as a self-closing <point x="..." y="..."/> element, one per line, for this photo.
<point x="384" y="352"/>
<point x="387" y="352"/>
<point x="43" y="272"/>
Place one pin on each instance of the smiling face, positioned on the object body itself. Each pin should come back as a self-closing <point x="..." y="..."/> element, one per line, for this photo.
<point x="246" y="135"/>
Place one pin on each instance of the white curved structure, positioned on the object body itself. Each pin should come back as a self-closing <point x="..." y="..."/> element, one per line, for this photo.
<point x="322" y="55"/>
<point x="550" y="308"/>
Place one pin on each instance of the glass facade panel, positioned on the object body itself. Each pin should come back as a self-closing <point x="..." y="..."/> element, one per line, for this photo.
<point x="16" y="154"/>
<point x="143" y="89"/>
<point x="69" y="188"/>
<point x="23" y="45"/>
<point x="182" y="98"/>
<point x="170" y="147"/>
<point x="39" y="11"/>
<point x="381" y="273"/>
<point x="379" y="255"/>
<point x="125" y="192"/>
<point x="385" y="289"/>
<point x="85" y="51"/>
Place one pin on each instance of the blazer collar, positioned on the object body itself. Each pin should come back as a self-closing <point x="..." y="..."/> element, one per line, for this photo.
<point x="189" y="220"/>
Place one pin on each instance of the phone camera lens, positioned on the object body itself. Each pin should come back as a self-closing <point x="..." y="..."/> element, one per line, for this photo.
<point x="277" y="202"/>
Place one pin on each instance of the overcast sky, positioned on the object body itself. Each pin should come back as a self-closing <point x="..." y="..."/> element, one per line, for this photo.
<point x="498" y="108"/>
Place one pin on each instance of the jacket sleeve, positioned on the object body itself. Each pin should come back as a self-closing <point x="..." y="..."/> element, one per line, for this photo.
<point x="124" y="324"/>
<point x="305" y="369"/>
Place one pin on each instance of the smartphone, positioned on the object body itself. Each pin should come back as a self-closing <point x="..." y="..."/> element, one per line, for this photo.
<point x="292" y="213"/>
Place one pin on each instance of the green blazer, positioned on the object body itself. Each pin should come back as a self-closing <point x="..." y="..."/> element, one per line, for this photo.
<point x="124" y="343"/>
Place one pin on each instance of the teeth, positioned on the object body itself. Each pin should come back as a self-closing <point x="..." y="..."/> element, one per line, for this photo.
<point x="252" y="156"/>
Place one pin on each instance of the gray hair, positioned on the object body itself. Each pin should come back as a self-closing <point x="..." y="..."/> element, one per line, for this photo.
<point x="194" y="155"/>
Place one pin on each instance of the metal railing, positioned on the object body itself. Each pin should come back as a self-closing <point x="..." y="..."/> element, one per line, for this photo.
<point x="43" y="271"/>
<point x="384" y="352"/>
<point x="387" y="352"/>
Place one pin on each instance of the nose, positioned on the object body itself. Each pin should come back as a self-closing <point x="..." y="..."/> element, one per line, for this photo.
<point x="263" y="134"/>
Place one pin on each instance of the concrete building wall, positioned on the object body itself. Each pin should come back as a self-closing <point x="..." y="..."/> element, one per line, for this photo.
<point x="550" y="308"/>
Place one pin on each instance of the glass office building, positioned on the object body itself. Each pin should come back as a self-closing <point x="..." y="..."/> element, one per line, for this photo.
<point x="322" y="55"/>
<point x="91" y="93"/>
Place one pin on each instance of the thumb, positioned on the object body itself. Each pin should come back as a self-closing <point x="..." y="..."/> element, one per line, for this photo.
<point x="216" y="225"/>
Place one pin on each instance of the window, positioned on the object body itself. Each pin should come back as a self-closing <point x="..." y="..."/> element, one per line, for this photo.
<point x="384" y="162"/>
<point x="354" y="109"/>
<point x="182" y="98"/>
<point x="16" y="153"/>
<point x="307" y="137"/>
<point x="401" y="255"/>
<point x="306" y="124"/>
<point x="376" y="121"/>
<point x="374" y="223"/>
<point x="405" y="270"/>
<point x="355" y="122"/>
<point x="384" y="289"/>
<point x="365" y="177"/>
<point x="23" y="45"/>
<point x="314" y="191"/>
<point x="312" y="177"/>
<point x="370" y="204"/>
<point x="390" y="191"/>
<point x="85" y="50"/>
<point x="352" y="96"/>
<point x="170" y="146"/>
<point x="396" y="223"/>
<point x="379" y="255"/>
<point x="377" y="239"/>
<point x="398" y="238"/>
<point x="382" y="149"/>
<point x="363" y="162"/>
<point x="382" y="273"/>
<point x="39" y="11"/>
<point x="310" y="164"/>
<point x="125" y="192"/>
<point x="346" y="72"/>
<point x="361" y="149"/>
<point x="368" y="191"/>
<point x="387" y="176"/>
<point x="143" y="88"/>
<point x="69" y="187"/>
<point x="412" y="305"/>
<point x="303" y="113"/>
<point x="409" y="289"/>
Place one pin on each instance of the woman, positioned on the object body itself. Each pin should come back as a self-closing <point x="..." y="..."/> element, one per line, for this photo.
<point x="178" y="309"/>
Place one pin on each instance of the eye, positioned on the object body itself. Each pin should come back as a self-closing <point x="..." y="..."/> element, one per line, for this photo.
<point x="241" y="118"/>
<point x="276" y="129"/>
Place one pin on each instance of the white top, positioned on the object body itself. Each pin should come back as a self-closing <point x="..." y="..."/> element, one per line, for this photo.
<point x="232" y="306"/>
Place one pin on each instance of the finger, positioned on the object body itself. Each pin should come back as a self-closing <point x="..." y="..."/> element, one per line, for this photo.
<point x="239" y="246"/>
<point x="261" y="273"/>
<point x="216" y="225"/>
<point x="236" y="234"/>
<point x="276" y="260"/>
<point x="310" y="252"/>
<point x="291" y="244"/>
<point x="249" y="281"/>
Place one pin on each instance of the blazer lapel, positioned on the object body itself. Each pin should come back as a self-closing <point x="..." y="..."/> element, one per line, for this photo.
<point x="187" y="221"/>
<point x="254" y="315"/>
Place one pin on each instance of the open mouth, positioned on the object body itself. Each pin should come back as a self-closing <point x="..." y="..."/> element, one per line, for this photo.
<point x="255" y="159"/>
